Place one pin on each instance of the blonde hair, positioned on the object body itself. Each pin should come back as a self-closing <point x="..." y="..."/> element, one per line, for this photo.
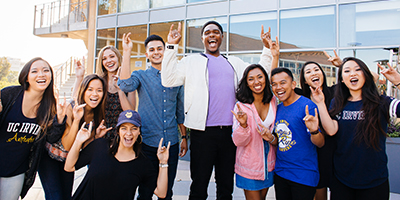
<point x="100" y="69"/>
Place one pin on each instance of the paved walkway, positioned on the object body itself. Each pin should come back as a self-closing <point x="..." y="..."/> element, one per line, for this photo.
<point x="181" y="186"/>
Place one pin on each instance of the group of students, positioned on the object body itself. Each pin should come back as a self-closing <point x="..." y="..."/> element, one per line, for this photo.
<point x="316" y="137"/>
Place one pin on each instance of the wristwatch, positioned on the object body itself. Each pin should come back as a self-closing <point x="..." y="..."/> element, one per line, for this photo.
<point x="314" y="132"/>
<point x="184" y="137"/>
<point x="163" y="165"/>
<point x="170" y="46"/>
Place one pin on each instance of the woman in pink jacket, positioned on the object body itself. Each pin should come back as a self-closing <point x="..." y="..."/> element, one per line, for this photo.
<point x="253" y="121"/>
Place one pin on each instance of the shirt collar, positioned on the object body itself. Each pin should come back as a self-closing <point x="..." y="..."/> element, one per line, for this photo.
<point x="154" y="70"/>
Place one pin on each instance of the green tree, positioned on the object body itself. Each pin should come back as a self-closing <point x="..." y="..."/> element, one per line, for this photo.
<point x="4" y="67"/>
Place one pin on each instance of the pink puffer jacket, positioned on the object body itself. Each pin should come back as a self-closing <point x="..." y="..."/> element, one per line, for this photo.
<point x="250" y="156"/>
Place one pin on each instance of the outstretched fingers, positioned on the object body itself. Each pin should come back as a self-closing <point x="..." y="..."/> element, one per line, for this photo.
<point x="160" y="143"/>
<point x="307" y="112"/>
<point x="316" y="113"/>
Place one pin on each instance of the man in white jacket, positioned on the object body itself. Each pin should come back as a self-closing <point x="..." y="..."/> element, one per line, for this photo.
<point x="210" y="80"/>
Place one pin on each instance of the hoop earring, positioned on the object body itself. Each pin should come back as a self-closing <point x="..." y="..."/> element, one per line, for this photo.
<point x="141" y="139"/>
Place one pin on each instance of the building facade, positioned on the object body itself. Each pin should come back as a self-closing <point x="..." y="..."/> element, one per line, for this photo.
<point x="366" y="29"/>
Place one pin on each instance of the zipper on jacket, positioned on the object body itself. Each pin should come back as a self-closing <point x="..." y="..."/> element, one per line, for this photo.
<point x="208" y="90"/>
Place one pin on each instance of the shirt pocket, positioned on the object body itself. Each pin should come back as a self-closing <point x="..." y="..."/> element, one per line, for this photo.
<point x="172" y="94"/>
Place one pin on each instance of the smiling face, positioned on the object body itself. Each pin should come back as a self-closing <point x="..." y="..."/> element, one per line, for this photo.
<point x="110" y="60"/>
<point x="353" y="76"/>
<point x="256" y="81"/>
<point x="128" y="134"/>
<point x="155" y="52"/>
<point x="94" y="93"/>
<point x="39" y="76"/>
<point x="313" y="75"/>
<point x="283" y="88"/>
<point x="212" y="39"/>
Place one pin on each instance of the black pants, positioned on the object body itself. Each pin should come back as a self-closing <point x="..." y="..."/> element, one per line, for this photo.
<point x="56" y="182"/>
<point x="289" y="190"/>
<point x="212" y="148"/>
<point x="145" y="193"/>
<point x="340" y="191"/>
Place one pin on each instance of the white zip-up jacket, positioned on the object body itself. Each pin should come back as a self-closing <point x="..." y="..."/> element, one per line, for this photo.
<point x="192" y="72"/>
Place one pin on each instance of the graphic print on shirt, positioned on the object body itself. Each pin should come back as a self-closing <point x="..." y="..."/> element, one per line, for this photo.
<point x="286" y="141"/>
<point x="22" y="132"/>
<point x="351" y="115"/>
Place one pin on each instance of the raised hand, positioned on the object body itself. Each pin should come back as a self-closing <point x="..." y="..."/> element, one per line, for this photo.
<point x="241" y="117"/>
<point x="311" y="121"/>
<point x="175" y="35"/>
<point x="78" y="111"/>
<point x="127" y="42"/>
<point x="317" y="96"/>
<point x="61" y="108"/>
<point x="116" y="77"/>
<point x="335" y="60"/>
<point x="163" y="152"/>
<point x="84" y="133"/>
<point x="274" y="47"/>
<point x="390" y="73"/>
<point x="80" y="67"/>
<point x="265" y="36"/>
<point x="101" y="130"/>
<point x="266" y="133"/>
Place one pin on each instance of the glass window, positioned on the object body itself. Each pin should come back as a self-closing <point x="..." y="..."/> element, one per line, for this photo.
<point x="105" y="37"/>
<point x="193" y="34"/>
<point x="369" y="56"/>
<point x="138" y="36"/>
<point x="132" y="5"/>
<point x="295" y="61"/>
<point x="195" y="1"/>
<point x="163" y="3"/>
<point x="245" y="30"/>
<point x="308" y="28"/>
<point x="162" y="29"/>
<point x="297" y="3"/>
<point x="249" y="58"/>
<point x="107" y="7"/>
<point x="370" y="24"/>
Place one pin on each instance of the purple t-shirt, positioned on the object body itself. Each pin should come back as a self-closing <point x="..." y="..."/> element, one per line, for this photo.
<point x="221" y="90"/>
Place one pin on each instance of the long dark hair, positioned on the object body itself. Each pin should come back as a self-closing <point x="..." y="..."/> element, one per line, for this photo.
<point x="304" y="86"/>
<point x="243" y="92"/>
<point x="368" y="129"/>
<point x="98" y="112"/>
<point x="137" y="146"/>
<point x="47" y="106"/>
<point x="100" y="69"/>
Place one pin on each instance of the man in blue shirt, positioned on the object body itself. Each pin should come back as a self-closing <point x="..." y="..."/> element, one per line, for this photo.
<point x="296" y="168"/>
<point x="161" y="108"/>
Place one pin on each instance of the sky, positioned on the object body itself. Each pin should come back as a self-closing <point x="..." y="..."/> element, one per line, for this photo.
<point x="17" y="39"/>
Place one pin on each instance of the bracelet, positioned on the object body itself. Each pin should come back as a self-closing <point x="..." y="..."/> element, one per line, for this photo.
<point x="273" y="139"/>
<point x="397" y="84"/>
<point x="314" y="132"/>
<point x="163" y="165"/>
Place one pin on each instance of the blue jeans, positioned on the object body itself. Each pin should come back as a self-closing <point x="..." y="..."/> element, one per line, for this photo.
<point x="10" y="187"/>
<point x="151" y="153"/>
<point x="56" y="182"/>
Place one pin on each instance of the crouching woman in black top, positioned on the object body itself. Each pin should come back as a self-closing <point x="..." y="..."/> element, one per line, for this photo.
<point x="117" y="168"/>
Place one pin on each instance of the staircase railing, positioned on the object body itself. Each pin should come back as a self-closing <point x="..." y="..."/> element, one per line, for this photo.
<point x="62" y="74"/>
<point x="60" y="12"/>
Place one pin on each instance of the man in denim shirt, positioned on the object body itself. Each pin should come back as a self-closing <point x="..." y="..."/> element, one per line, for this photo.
<point x="161" y="108"/>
